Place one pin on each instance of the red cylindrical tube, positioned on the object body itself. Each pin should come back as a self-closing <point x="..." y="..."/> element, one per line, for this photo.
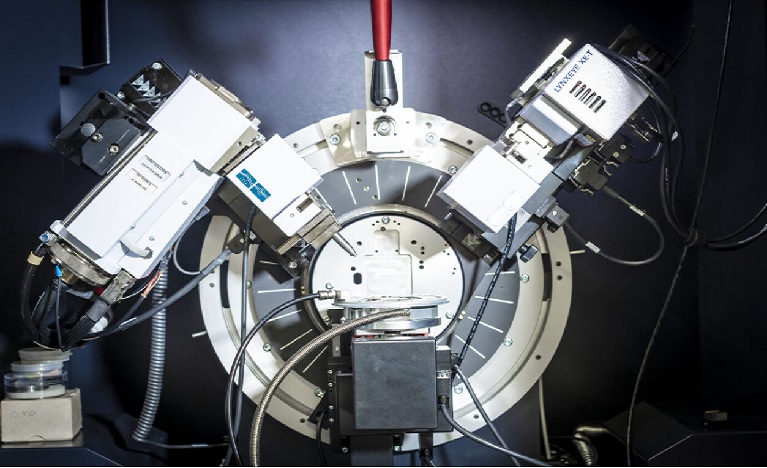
<point x="381" y="12"/>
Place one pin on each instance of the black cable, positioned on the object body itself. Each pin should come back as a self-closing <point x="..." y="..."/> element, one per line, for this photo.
<point x="594" y="248"/>
<point x="182" y="446"/>
<point x="483" y="305"/>
<point x="215" y="263"/>
<point x="684" y="48"/>
<point x="486" y="443"/>
<point x="693" y="221"/>
<point x="318" y="438"/>
<point x="28" y="274"/>
<point x="240" y="356"/>
<point x="668" y="127"/>
<point x="740" y="243"/>
<point x="243" y="326"/>
<point x="478" y="404"/>
<point x="426" y="460"/>
<point x="648" y="349"/>
<point x="750" y="223"/>
<point x="58" y="297"/>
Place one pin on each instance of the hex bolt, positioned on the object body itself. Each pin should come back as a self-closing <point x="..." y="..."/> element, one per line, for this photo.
<point x="120" y="95"/>
<point x="97" y="136"/>
<point x="331" y="421"/>
<point x="452" y="170"/>
<point x="344" y="449"/>
<point x="330" y="371"/>
<point x="383" y="127"/>
<point x="507" y="342"/>
<point x="330" y="384"/>
<point x="157" y="66"/>
<point x="525" y="278"/>
<point x="319" y="393"/>
<point x="385" y="220"/>
<point x="331" y="407"/>
<point x="431" y="137"/>
<point x="397" y="448"/>
<point x="293" y="265"/>
<point x="114" y="149"/>
<point x="334" y="139"/>
<point x="267" y="347"/>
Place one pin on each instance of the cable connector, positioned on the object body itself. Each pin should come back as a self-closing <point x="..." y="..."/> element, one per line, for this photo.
<point x="325" y="294"/>
<point x="593" y="247"/>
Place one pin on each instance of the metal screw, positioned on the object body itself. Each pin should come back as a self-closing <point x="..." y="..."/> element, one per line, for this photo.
<point x="383" y="126"/>
<point x="507" y="342"/>
<point x="97" y="137"/>
<point x="120" y="95"/>
<point x="267" y="347"/>
<point x="449" y="315"/>
<point x="344" y="449"/>
<point x="151" y="238"/>
<point x="385" y="220"/>
<point x="458" y="389"/>
<point x="623" y="146"/>
<point x="334" y="139"/>
<point x="114" y="149"/>
<point x="554" y="212"/>
<point x="293" y="265"/>
<point x="452" y="170"/>
<point x="328" y="285"/>
<point x="331" y="407"/>
<point x="397" y="448"/>
<point x="248" y="285"/>
<point x="184" y="202"/>
<point x="525" y="278"/>
<point x="330" y="384"/>
<point x="616" y="154"/>
<point x="431" y="137"/>
<point x="330" y="371"/>
<point x="44" y="237"/>
<point x="319" y="393"/>
<point x="157" y="66"/>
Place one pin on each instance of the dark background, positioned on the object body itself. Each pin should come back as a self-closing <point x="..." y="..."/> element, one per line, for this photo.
<point x="295" y="62"/>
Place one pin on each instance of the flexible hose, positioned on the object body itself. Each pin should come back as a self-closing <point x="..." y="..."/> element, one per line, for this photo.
<point x="582" y="442"/>
<point x="156" y="359"/>
<point x="240" y="357"/>
<point x="317" y="342"/>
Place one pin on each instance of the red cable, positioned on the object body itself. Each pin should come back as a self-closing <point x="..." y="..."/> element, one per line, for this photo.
<point x="381" y="12"/>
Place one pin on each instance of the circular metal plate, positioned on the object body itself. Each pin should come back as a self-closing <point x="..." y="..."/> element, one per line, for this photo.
<point x="517" y="336"/>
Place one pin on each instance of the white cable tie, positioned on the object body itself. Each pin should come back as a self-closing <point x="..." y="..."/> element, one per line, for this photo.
<point x="592" y="247"/>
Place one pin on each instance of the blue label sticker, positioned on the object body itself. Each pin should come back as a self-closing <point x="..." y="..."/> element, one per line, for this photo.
<point x="253" y="185"/>
<point x="246" y="178"/>
<point x="260" y="192"/>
